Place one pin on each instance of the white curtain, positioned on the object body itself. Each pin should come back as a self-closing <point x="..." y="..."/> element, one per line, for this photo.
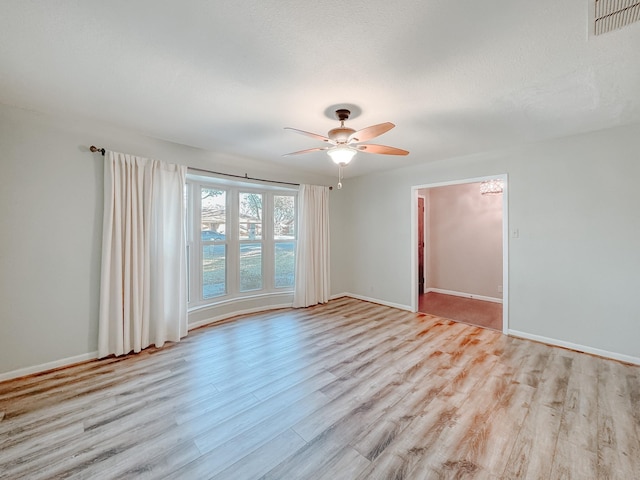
<point x="143" y="284"/>
<point x="312" y="259"/>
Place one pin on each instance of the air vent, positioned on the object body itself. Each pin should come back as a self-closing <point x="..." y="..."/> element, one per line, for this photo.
<point x="614" y="14"/>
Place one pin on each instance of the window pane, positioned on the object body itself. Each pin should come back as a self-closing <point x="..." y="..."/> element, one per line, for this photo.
<point x="250" y="219"/>
<point x="250" y="266"/>
<point x="285" y="264"/>
<point x="213" y="216"/>
<point x="284" y="215"/>
<point x="214" y="266"/>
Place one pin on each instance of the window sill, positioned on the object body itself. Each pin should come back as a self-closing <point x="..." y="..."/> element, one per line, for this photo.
<point x="209" y="313"/>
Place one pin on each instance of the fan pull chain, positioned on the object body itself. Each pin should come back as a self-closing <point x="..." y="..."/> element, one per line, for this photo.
<point x="339" y="177"/>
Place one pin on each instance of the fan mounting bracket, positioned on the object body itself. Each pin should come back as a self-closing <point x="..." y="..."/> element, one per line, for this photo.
<point x="343" y="114"/>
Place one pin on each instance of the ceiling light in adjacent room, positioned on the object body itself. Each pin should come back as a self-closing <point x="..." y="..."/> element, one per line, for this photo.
<point x="491" y="187"/>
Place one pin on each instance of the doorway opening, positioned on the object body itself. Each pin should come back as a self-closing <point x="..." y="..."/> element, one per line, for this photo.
<point x="459" y="251"/>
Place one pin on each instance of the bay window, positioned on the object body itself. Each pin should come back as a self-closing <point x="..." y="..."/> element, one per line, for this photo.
<point x="241" y="240"/>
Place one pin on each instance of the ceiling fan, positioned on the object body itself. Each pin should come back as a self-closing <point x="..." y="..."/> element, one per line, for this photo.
<point x="345" y="142"/>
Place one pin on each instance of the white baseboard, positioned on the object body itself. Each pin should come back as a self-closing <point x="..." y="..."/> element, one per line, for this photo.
<point x="64" y="362"/>
<point x="465" y="295"/>
<point x="338" y="295"/>
<point x="574" y="346"/>
<point x="372" y="300"/>
<point x="515" y="333"/>
<point x="225" y="316"/>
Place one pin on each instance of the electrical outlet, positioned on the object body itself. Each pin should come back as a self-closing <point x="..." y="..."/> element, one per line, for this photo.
<point x="499" y="288"/>
<point x="515" y="233"/>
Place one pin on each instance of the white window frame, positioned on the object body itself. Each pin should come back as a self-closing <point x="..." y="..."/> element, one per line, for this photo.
<point x="232" y="241"/>
<point x="276" y="241"/>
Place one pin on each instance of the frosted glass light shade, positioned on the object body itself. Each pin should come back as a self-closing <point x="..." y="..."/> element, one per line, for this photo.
<point x="342" y="155"/>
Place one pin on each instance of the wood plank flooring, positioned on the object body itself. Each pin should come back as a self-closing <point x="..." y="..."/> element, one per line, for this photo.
<point x="348" y="390"/>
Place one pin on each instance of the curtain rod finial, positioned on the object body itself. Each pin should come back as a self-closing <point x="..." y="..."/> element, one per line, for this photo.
<point x="95" y="149"/>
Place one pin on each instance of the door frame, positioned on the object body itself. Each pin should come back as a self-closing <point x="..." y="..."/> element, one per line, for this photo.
<point x="424" y="241"/>
<point x="505" y="239"/>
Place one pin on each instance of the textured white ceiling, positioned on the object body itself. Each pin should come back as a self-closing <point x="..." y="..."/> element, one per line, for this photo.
<point x="456" y="77"/>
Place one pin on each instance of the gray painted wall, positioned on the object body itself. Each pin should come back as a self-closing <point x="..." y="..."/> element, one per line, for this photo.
<point x="464" y="240"/>
<point x="51" y="222"/>
<point x="574" y="271"/>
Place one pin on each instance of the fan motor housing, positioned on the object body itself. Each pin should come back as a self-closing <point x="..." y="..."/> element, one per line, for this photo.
<point x="340" y="134"/>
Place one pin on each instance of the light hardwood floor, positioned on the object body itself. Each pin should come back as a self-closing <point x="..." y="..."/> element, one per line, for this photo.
<point x="347" y="390"/>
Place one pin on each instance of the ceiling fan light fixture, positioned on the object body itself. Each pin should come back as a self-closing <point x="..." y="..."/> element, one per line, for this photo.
<point x="342" y="155"/>
<point x="346" y="142"/>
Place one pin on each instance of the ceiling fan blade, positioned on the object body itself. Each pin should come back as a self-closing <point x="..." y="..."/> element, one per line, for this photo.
<point x="309" y="134"/>
<point x="370" y="132"/>
<point x="308" y="150"/>
<point x="381" y="149"/>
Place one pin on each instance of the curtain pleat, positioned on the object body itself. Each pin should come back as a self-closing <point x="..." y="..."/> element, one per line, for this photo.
<point x="143" y="288"/>
<point x="312" y="259"/>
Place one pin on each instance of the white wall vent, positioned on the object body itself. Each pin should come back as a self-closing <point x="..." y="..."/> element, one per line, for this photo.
<point x="614" y="14"/>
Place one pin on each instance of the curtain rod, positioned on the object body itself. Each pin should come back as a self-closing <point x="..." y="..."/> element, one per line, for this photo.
<point x="94" y="149"/>
<point x="245" y="176"/>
